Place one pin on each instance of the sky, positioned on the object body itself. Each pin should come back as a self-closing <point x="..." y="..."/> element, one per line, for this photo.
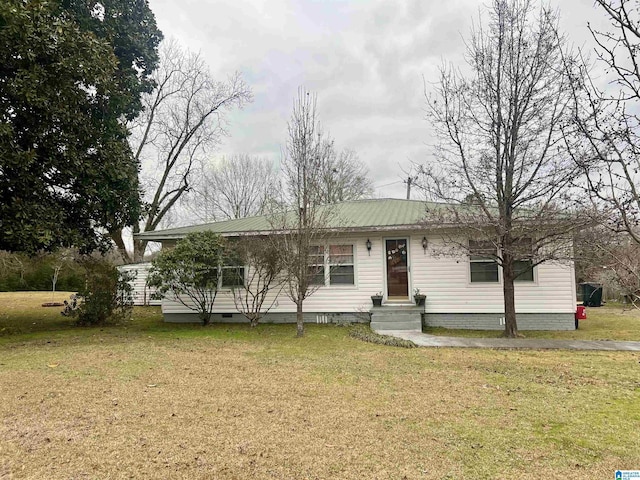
<point x="368" y="61"/>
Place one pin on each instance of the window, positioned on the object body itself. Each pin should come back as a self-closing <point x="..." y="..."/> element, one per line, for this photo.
<point x="316" y="265"/>
<point x="334" y="265"/>
<point x="233" y="273"/>
<point x="523" y="267"/>
<point x="232" y="276"/>
<point x="523" y="270"/>
<point x="341" y="271"/>
<point x="482" y="264"/>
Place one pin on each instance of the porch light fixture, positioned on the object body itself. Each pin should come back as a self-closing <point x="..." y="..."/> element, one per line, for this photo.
<point x="424" y="244"/>
<point x="369" y="246"/>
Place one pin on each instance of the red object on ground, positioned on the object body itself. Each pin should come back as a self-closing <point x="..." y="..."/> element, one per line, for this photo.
<point x="581" y="312"/>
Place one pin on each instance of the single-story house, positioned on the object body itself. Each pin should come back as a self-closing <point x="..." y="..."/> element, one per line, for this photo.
<point x="385" y="248"/>
<point x="142" y="293"/>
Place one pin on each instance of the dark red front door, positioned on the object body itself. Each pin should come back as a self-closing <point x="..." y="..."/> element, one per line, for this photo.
<point x="397" y="272"/>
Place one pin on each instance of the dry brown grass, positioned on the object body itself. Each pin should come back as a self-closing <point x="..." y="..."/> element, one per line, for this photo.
<point x="229" y="402"/>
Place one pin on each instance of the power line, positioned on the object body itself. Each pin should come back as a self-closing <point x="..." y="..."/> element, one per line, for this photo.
<point x="388" y="184"/>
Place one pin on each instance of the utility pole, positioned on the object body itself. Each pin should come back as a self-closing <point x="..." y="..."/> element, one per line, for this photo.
<point x="409" y="180"/>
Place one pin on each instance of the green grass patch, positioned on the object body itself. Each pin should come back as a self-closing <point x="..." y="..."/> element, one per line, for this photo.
<point x="156" y="400"/>
<point x="609" y="322"/>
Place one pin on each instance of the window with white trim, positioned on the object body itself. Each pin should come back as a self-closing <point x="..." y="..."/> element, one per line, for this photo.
<point x="232" y="273"/>
<point x="523" y="266"/>
<point x="341" y="265"/>
<point x="332" y="265"/>
<point x="316" y="265"/>
<point x="482" y="262"/>
<point x="232" y="276"/>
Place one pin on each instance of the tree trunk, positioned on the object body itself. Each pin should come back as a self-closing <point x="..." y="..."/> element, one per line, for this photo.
<point x="139" y="247"/>
<point x="299" y="319"/>
<point x="116" y="236"/>
<point x="510" y="324"/>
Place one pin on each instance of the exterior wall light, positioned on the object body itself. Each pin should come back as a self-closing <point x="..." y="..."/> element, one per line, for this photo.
<point x="368" y="246"/>
<point x="424" y="244"/>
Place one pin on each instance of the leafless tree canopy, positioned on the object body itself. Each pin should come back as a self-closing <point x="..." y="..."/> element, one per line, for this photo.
<point x="235" y="187"/>
<point x="612" y="259"/>
<point x="302" y="227"/>
<point x="263" y="280"/>
<point x="501" y="150"/>
<point x="182" y="122"/>
<point x="344" y="177"/>
<point x="607" y="118"/>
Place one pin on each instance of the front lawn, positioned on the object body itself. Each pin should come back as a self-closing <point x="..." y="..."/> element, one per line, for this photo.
<point x="152" y="400"/>
<point x="611" y="322"/>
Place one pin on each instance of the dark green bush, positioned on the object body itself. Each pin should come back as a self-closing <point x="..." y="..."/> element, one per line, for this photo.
<point x="364" y="333"/>
<point x="106" y="297"/>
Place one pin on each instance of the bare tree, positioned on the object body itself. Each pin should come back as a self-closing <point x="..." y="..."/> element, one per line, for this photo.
<point x="607" y="118"/>
<point x="183" y="120"/>
<point x="262" y="261"/>
<point x="235" y="187"/>
<point x="501" y="156"/>
<point x="62" y="258"/>
<point x="303" y="228"/>
<point x="343" y="177"/>
<point x="611" y="258"/>
<point x="13" y="263"/>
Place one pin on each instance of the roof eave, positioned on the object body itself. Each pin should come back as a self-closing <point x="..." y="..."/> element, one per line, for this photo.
<point x="147" y="236"/>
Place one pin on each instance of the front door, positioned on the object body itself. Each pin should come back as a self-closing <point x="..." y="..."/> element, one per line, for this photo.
<point x="397" y="271"/>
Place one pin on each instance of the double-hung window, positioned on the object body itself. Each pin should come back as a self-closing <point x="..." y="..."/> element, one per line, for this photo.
<point x="341" y="266"/>
<point x="316" y="265"/>
<point x="232" y="273"/>
<point x="483" y="265"/>
<point x="523" y="266"/>
<point x="482" y="262"/>
<point x="334" y="265"/>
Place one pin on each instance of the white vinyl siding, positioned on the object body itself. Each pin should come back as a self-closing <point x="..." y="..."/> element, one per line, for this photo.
<point x="142" y="293"/>
<point x="444" y="279"/>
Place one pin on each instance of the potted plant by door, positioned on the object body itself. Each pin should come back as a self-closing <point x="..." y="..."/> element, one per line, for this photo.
<point x="419" y="298"/>
<point x="377" y="299"/>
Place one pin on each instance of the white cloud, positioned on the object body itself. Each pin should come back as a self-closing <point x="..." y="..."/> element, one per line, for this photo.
<point x="364" y="59"/>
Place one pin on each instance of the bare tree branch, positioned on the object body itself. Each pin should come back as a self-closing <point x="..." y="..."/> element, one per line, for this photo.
<point x="235" y="187"/>
<point x="502" y="159"/>
<point x="183" y="121"/>
<point x="301" y="226"/>
<point x="343" y="177"/>
<point x="607" y="118"/>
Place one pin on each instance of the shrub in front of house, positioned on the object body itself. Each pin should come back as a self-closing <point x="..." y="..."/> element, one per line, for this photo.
<point x="106" y="298"/>
<point x="364" y="333"/>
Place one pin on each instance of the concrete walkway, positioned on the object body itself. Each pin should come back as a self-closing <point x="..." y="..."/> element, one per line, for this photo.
<point x="424" y="340"/>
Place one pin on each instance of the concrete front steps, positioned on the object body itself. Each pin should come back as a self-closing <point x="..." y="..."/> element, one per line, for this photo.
<point x="396" y="317"/>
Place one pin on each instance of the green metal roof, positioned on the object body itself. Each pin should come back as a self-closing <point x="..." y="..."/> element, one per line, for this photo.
<point x="358" y="215"/>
